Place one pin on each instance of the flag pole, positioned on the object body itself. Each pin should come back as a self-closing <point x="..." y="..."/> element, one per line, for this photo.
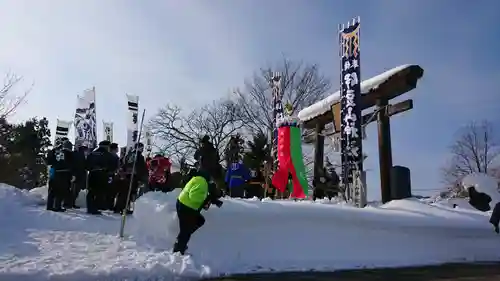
<point x="127" y="203"/>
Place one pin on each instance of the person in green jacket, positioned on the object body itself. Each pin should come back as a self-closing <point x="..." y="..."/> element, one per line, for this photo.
<point x="195" y="196"/>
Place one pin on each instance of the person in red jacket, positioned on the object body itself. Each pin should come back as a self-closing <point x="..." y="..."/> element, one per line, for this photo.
<point x="159" y="173"/>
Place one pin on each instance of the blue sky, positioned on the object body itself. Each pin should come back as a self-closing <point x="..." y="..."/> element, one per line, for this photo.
<point x="190" y="52"/>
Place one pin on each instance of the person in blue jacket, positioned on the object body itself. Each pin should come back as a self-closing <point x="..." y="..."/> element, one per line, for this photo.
<point x="236" y="177"/>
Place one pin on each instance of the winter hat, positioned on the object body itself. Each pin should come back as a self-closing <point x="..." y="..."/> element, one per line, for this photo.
<point x="204" y="174"/>
<point x="104" y="143"/>
<point x="66" y="144"/>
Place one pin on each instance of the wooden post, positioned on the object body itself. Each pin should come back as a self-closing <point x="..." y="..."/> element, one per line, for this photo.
<point x="385" y="150"/>
<point x="319" y="151"/>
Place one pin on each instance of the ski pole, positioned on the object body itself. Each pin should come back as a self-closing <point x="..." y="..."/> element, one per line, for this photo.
<point x="124" y="213"/>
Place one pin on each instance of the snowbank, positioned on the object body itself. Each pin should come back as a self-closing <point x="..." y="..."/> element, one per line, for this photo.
<point x="11" y="197"/>
<point x="325" y="105"/>
<point x="245" y="235"/>
<point x="483" y="183"/>
<point x="42" y="192"/>
<point x="306" y="235"/>
<point x="458" y="202"/>
<point x="42" y="245"/>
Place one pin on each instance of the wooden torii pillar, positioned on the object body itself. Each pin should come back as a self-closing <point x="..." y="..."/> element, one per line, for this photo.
<point x="378" y="96"/>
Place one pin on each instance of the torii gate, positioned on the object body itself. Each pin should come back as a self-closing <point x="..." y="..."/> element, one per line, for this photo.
<point x="376" y="92"/>
<point x="344" y="110"/>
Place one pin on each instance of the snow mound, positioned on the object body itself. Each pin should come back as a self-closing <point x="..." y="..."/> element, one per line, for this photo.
<point x="156" y="212"/>
<point x="43" y="245"/>
<point x="244" y="235"/>
<point x="11" y="197"/>
<point x="42" y="192"/>
<point x="450" y="202"/>
<point x="483" y="183"/>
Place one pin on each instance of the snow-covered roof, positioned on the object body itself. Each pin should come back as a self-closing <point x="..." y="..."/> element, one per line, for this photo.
<point x="325" y="105"/>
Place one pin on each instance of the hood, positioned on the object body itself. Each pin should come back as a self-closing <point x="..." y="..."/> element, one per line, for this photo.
<point x="204" y="174"/>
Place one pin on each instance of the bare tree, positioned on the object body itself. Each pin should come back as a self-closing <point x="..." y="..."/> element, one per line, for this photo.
<point x="302" y="85"/>
<point x="8" y="100"/>
<point x="178" y="135"/>
<point x="475" y="150"/>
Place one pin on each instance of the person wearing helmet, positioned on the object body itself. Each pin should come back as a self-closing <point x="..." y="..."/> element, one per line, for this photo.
<point x="195" y="196"/>
<point x="62" y="172"/>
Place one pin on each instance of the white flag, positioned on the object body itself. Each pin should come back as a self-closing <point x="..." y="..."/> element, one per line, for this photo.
<point x="62" y="129"/>
<point x="133" y="120"/>
<point x="108" y="131"/>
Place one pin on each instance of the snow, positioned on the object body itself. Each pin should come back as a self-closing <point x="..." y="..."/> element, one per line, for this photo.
<point x="462" y="203"/>
<point x="244" y="235"/>
<point x="325" y="105"/>
<point x="483" y="183"/>
<point x="42" y="191"/>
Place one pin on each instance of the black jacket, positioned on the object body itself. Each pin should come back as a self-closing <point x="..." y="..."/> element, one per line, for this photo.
<point x="127" y="165"/>
<point x="479" y="200"/>
<point x="79" y="158"/>
<point x="101" y="161"/>
<point x="208" y="157"/>
<point x="61" y="160"/>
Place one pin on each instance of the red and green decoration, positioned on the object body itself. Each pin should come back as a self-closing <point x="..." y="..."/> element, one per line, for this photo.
<point x="291" y="162"/>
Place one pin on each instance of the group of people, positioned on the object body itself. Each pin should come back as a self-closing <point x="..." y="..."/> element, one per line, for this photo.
<point x="107" y="177"/>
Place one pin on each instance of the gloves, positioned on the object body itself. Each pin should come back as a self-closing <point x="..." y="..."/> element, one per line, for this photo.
<point x="218" y="203"/>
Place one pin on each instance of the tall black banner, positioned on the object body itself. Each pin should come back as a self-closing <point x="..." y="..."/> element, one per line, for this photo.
<point x="350" y="99"/>
<point x="278" y="113"/>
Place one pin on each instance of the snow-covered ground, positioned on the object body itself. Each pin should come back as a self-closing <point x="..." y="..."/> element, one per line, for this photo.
<point x="242" y="236"/>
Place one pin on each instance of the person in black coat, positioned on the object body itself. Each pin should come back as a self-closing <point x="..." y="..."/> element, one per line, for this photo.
<point x="254" y="186"/>
<point x="481" y="201"/>
<point x="140" y="174"/>
<point x="112" y="191"/>
<point x="209" y="161"/>
<point x="80" y="154"/>
<point x="495" y="217"/>
<point x="101" y="165"/>
<point x="62" y="172"/>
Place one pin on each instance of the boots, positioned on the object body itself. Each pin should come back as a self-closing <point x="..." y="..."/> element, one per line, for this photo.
<point x="179" y="249"/>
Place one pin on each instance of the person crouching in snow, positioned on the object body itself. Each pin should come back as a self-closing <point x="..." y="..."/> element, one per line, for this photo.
<point x="483" y="202"/>
<point x="194" y="196"/>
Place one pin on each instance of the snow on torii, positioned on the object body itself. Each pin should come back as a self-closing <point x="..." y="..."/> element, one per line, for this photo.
<point x="323" y="106"/>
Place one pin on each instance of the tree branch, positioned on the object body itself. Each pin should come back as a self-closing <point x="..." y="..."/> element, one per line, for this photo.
<point x="178" y="135"/>
<point x="475" y="150"/>
<point x="9" y="102"/>
<point x="302" y="86"/>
